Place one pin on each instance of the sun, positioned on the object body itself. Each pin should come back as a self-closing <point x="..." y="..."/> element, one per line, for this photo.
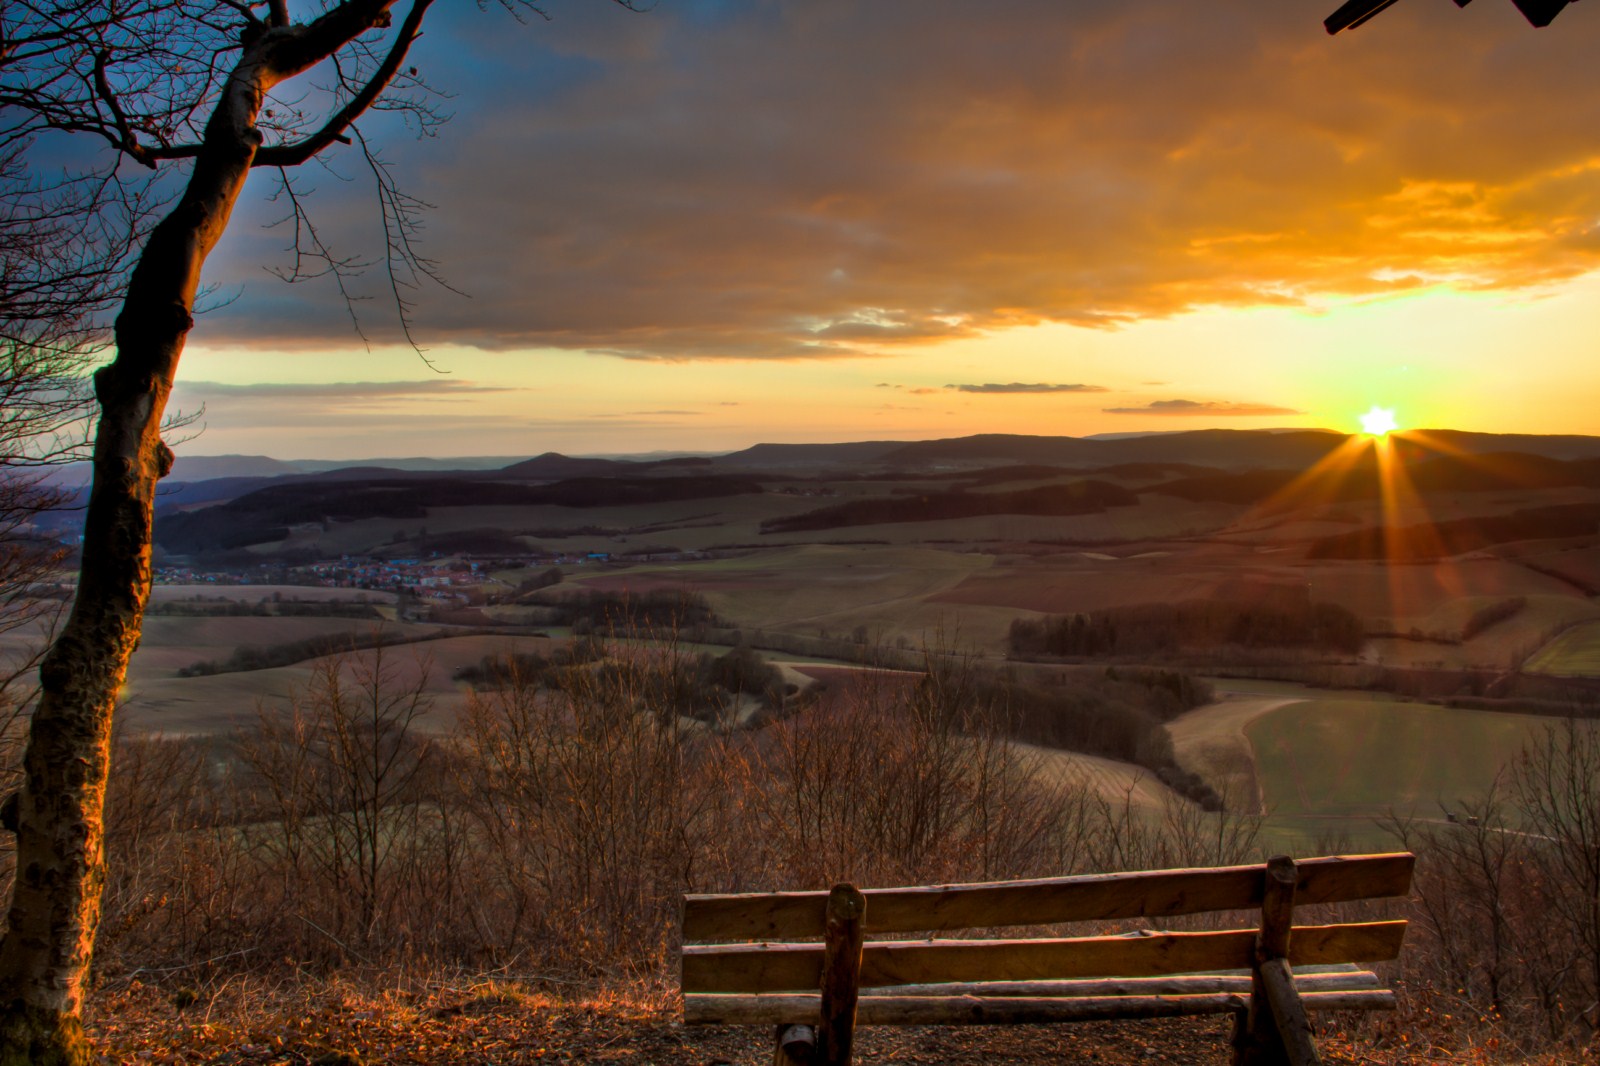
<point x="1379" y="422"/>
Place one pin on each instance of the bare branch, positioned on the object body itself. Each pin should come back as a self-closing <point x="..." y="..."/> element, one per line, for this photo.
<point x="401" y="227"/>
<point x="334" y="130"/>
<point x="308" y="247"/>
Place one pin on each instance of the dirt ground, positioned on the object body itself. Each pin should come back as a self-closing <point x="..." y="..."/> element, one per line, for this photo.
<point x="338" y="1025"/>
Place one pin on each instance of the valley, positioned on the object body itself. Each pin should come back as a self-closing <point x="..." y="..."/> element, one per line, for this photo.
<point x="873" y="556"/>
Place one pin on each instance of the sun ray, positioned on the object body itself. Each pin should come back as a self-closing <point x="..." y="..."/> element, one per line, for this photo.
<point x="1399" y="532"/>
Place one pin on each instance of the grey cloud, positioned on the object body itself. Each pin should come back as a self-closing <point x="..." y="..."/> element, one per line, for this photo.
<point x="1216" y="408"/>
<point x="1021" y="387"/>
<point x="345" y="391"/>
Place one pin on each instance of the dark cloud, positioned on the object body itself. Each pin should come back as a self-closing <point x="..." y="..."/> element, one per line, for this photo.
<point x="1018" y="386"/>
<point x="343" y="391"/>
<point x="1214" y="408"/>
<point x="395" y="407"/>
<point x="815" y="180"/>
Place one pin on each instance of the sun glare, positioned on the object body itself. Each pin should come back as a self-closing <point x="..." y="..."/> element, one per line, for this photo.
<point x="1379" y="422"/>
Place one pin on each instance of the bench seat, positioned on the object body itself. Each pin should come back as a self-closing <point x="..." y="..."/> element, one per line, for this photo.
<point x="1013" y="1002"/>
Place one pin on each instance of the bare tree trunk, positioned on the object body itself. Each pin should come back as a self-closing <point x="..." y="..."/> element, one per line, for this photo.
<point x="58" y="814"/>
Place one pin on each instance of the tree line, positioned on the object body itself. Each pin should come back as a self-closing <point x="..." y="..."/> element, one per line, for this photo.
<point x="1156" y="629"/>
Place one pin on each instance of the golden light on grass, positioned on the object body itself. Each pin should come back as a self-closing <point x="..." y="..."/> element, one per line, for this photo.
<point x="1379" y="421"/>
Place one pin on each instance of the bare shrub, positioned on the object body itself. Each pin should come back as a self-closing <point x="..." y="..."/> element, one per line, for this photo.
<point x="901" y="778"/>
<point x="1506" y="912"/>
<point x="585" y="801"/>
<point x="333" y="809"/>
<point x="555" y="829"/>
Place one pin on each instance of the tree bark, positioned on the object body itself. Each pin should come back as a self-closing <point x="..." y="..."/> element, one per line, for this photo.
<point x="55" y="906"/>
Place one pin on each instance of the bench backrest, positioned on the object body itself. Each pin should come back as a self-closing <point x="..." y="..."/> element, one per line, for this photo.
<point x="757" y="943"/>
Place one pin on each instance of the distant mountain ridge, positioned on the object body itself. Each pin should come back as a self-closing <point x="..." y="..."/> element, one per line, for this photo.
<point x="1208" y="447"/>
<point x="1226" y="448"/>
<point x="882" y="483"/>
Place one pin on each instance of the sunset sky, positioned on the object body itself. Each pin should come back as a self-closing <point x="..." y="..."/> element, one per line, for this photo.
<point x="720" y="222"/>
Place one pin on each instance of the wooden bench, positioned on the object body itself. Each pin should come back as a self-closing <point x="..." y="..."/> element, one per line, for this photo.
<point x="746" y="959"/>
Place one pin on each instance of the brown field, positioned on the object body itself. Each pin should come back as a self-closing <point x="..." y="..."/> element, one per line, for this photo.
<point x="687" y="525"/>
<point x="638" y="582"/>
<point x="1504" y="645"/>
<point x="172" y="642"/>
<point x="856" y="679"/>
<point x="1150" y="573"/>
<point x="1398" y="597"/>
<point x="1115" y="783"/>
<point x="970" y="577"/>
<point x="1154" y="517"/>
<point x="191" y="706"/>
<point x="157" y="701"/>
<point x="693" y="525"/>
<point x="264" y="593"/>
<point x="1580" y="562"/>
<point x="1211" y="742"/>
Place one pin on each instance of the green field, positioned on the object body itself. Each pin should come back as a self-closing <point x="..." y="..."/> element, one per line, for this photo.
<point x="1575" y="653"/>
<point x="1346" y="762"/>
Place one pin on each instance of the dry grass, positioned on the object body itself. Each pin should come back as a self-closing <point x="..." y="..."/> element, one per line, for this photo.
<point x="1113" y="782"/>
<point x="421" y="1018"/>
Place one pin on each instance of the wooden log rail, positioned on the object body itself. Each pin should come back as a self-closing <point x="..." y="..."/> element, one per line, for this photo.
<point x="1047" y="901"/>
<point x="746" y="959"/>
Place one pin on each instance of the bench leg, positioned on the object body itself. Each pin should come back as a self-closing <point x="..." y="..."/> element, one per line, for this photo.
<point x="841" y="974"/>
<point x="796" y="1046"/>
<point x="1257" y="1041"/>
<point x="1255" y="1036"/>
<point x="1289" y="1014"/>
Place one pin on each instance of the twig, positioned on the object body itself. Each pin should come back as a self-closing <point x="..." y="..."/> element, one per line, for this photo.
<point x="362" y="958"/>
<point x="187" y="965"/>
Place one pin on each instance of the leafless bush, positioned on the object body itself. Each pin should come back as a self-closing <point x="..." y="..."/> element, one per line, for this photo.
<point x="587" y="802"/>
<point x="892" y="782"/>
<point x="556" y="828"/>
<point x="1507" y="899"/>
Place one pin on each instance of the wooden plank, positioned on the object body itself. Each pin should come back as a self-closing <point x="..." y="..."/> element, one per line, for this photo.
<point x="1294" y="1028"/>
<point x="1368" y="999"/>
<point x="1095" y="897"/>
<point x="956" y="1010"/>
<point x="704" y="1009"/>
<point x="798" y="967"/>
<point x="841" y="973"/>
<point x="1353" y="980"/>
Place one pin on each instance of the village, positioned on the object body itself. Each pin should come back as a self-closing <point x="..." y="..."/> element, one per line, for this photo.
<point x="437" y="578"/>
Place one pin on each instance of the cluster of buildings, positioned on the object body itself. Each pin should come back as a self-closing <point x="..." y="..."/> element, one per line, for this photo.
<point x="442" y="578"/>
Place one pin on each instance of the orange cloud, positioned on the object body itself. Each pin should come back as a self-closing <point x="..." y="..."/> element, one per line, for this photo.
<point x="823" y="180"/>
